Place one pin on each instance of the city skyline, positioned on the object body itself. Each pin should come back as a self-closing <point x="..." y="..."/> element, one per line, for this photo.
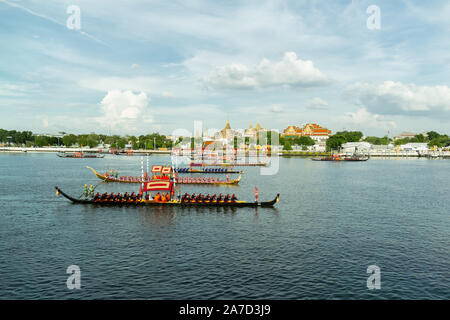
<point x="156" y="66"/>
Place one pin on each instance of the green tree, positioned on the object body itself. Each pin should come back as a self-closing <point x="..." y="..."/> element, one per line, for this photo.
<point x="287" y="146"/>
<point x="121" y="143"/>
<point x="441" y="141"/>
<point x="69" y="140"/>
<point x="335" y="142"/>
<point x="41" y="141"/>
<point x="378" y="141"/>
<point x="305" y="141"/>
<point x="420" y="138"/>
<point x="433" y="135"/>
<point x="350" y="136"/>
<point x="82" y="140"/>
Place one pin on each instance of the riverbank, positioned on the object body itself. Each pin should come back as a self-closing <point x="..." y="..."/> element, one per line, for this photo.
<point x="378" y="154"/>
<point x="86" y="150"/>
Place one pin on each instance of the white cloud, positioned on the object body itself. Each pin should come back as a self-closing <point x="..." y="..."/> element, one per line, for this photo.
<point x="363" y="119"/>
<point x="17" y="89"/>
<point x="290" y="71"/>
<point x="276" y="108"/>
<point x="392" y="97"/>
<point x="124" y="109"/>
<point x="44" y="121"/>
<point x="167" y="87"/>
<point x="317" y="104"/>
<point x="121" y="83"/>
<point x="167" y="94"/>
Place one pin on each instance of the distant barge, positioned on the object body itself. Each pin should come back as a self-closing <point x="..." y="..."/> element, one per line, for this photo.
<point x="80" y="155"/>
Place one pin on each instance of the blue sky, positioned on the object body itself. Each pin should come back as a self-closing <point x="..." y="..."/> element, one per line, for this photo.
<point x="136" y="66"/>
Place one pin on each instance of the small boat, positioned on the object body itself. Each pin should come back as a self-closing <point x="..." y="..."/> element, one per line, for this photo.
<point x="80" y="155"/>
<point x="206" y="170"/>
<point x="174" y="203"/>
<point x="337" y="157"/>
<point x="179" y="180"/>
<point x="128" y="153"/>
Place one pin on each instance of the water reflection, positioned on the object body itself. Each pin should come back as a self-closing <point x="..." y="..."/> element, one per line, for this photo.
<point x="158" y="215"/>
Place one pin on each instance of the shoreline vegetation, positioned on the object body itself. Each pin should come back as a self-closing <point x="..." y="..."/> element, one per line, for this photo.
<point x="28" y="139"/>
<point x="432" y="138"/>
<point x="283" y="153"/>
<point x="24" y="141"/>
<point x="50" y="149"/>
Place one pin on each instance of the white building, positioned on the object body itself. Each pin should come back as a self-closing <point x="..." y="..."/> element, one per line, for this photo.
<point x="356" y="146"/>
<point x="414" y="146"/>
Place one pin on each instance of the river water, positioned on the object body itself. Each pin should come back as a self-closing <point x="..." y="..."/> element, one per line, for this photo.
<point x="332" y="222"/>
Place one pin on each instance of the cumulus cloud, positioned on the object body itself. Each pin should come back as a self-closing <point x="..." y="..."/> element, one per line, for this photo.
<point x="364" y="119"/>
<point x="124" y="109"/>
<point x="290" y="71"/>
<point x="392" y="97"/>
<point x="317" y="104"/>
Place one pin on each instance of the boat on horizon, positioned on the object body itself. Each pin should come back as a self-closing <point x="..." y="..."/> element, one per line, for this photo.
<point x="338" y="157"/>
<point x="80" y="155"/>
<point x="228" y="164"/>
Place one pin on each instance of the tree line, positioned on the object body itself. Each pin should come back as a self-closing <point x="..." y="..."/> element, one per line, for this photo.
<point x="28" y="139"/>
<point x="432" y="138"/>
<point x="156" y="140"/>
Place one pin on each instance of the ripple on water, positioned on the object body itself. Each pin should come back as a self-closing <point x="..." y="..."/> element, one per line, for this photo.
<point x="332" y="222"/>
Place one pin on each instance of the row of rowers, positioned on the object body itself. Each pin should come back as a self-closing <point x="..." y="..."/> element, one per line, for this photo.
<point x="164" y="197"/>
<point x="207" y="170"/>
<point x="214" y="198"/>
